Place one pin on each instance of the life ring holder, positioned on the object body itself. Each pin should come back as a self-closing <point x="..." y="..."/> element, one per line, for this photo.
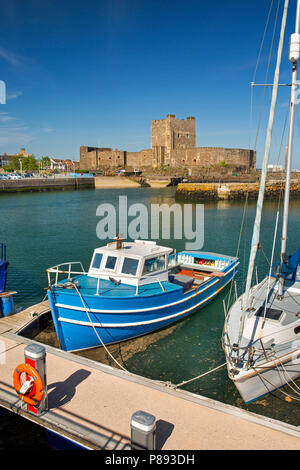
<point x="35" y="395"/>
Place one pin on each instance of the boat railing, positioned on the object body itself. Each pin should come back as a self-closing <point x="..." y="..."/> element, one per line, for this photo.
<point x="67" y="268"/>
<point x="58" y="269"/>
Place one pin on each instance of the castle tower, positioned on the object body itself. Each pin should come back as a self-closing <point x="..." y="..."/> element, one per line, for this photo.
<point x="173" y="133"/>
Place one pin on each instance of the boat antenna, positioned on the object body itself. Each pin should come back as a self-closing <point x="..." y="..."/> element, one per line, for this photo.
<point x="259" y="206"/>
<point x="294" y="57"/>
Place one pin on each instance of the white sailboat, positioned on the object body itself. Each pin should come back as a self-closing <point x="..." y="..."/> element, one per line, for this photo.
<point x="261" y="337"/>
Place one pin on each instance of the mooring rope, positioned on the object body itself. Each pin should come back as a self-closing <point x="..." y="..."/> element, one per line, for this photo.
<point x="98" y="336"/>
<point x="199" y="376"/>
<point x="275" y="387"/>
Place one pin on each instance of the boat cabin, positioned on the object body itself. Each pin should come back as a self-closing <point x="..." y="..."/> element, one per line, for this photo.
<point x="134" y="263"/>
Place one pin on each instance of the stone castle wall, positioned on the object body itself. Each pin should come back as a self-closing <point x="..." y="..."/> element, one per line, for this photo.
<point x="173" y="143"/>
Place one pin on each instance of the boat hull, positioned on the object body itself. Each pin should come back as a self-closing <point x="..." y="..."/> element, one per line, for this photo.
<point x="92" y="321"/>
<point x="266" y="381"/>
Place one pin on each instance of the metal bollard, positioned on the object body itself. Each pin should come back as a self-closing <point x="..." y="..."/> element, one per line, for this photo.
<point x="35" y="355"/>
<point x="143" y="431"/>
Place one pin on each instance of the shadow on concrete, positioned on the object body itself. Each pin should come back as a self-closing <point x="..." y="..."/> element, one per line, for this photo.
<point x="60" y="393"/>
<point x="164" y="430"/>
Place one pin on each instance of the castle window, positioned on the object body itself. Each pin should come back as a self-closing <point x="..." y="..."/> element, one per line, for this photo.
<point x="178" y="135"/>
<point x="183" y="161"/>
<point x="188" y="136"/>
<point x="194" y="160"/>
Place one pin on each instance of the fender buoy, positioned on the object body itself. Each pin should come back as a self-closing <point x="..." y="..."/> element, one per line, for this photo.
<point x="37" y="392"/>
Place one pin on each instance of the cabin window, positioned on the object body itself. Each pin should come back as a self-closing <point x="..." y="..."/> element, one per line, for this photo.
<point x="97" y="260"/>
<point x="154" y="264"/>
<point x="130" y="266"/>
<point x="111" y="262"/>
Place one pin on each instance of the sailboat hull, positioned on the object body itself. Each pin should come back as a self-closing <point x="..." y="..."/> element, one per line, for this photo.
<point x="269" y="355"/>
<point x="252" y="387"/>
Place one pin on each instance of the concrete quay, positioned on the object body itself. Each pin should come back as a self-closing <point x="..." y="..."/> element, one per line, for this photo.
<point x="92" y="403"/>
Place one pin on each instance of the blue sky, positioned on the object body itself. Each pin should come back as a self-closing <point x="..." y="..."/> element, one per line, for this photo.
<point x="96" y="72"/>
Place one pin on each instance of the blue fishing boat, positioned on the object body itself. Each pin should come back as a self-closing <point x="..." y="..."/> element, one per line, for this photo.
<point x="6" y="298"/>
<point x="3" y="267"/>
<point x="131" y="289"/>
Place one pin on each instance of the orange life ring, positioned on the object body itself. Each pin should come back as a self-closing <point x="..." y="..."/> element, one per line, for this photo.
<point x="36" y="394"/>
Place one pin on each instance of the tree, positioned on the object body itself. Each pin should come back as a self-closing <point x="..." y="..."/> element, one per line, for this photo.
<point x="46" y="163"/>
<point x="30" y="163"/>
<point x="14" y="163"/>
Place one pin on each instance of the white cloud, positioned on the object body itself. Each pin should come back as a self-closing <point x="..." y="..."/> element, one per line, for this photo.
<point x="10" y="57"/>
<point x="5" y="117"/>
<point x="13" y="95"/>
<point x="48" y="130"/>
<point x="17" y="136"/>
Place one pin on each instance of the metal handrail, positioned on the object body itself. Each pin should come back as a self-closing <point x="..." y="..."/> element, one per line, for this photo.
<point x="56" y="270"/>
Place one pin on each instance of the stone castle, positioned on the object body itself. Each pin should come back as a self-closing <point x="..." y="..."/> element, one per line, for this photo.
<point x="173" y="144"/>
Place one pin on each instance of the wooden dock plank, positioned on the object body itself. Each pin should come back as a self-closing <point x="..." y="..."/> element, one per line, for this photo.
<point x="18" y="321"/>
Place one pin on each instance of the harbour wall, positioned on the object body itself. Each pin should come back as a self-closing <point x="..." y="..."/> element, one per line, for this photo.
<point x="231" y="191"/>
<point x="45" y="184"/>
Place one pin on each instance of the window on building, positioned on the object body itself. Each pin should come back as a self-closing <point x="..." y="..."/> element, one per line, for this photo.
<point x="154" y="264"/>
<point x="97" y="260"/>
<point x="111" y="262"/>
<point x="130" y="266"/>
<point x="188" y="136"/>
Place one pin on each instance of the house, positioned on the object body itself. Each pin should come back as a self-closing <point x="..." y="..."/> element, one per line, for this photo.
<point x="57" y="164"/>
<point x="65" y="165"/>
<point x="4" y="160"/>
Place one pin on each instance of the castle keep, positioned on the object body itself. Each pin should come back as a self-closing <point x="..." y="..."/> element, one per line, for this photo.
<point x="173" y="143"/>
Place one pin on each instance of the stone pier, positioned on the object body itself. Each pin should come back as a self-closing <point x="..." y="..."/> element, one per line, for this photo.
<point x="218" y="191"/>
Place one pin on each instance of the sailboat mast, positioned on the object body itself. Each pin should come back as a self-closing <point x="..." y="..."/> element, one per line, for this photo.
<point x="294" y="56"/>
<point x="257" y="223"/>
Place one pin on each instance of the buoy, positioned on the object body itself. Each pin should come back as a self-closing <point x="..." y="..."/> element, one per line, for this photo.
<point x="32" y="390"/>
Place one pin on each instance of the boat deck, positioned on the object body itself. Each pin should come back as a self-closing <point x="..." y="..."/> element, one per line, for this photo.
<point x="87" y="285"/>
<point x="93" y="403"/>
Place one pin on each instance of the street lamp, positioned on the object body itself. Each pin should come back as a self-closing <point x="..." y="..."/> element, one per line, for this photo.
<point x="20" y="161"/>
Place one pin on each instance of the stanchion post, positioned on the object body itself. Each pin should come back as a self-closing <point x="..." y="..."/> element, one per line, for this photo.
<point x="35" y="355"/>
<point x="143" y="431"/>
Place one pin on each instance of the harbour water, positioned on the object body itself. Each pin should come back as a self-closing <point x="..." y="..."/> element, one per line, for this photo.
<point x="42" y="230"/>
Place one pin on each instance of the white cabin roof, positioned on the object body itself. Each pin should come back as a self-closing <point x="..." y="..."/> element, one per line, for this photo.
<point x="138" y="248"/>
